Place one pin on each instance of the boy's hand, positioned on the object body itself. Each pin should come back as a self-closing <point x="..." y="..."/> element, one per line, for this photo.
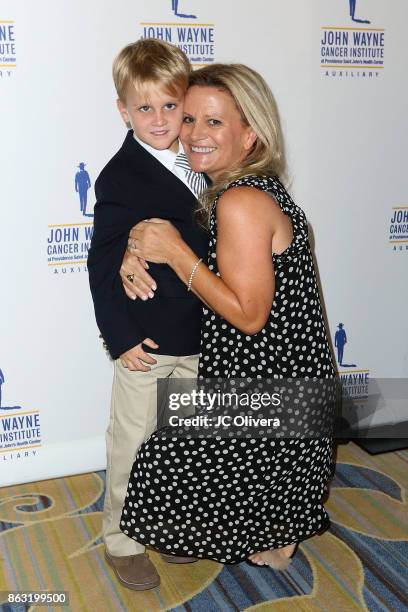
<point x="141" y="284"/>
<point x="135" y="359"/>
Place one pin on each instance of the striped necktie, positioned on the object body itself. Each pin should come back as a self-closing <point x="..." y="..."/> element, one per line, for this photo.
<point x="196" y="180"/>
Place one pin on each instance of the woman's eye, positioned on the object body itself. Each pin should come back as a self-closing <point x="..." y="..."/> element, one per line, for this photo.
<point x="188" y="120"/>
<point x="214" y="122"/>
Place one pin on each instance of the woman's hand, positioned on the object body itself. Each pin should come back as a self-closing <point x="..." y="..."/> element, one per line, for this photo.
<point x="136" y="281"/>
<point x="155" y="240"/>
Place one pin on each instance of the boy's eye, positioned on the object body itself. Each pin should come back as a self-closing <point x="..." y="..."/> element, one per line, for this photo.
<point x="144" y="108"/>
<point x="188" y="120"/>
<point x="214" y="122"/>
<point x="170" y="106"/>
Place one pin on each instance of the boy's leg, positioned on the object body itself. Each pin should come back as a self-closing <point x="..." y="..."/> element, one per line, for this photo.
<point x="132" y="420"/>
<point x="187" y="367"/>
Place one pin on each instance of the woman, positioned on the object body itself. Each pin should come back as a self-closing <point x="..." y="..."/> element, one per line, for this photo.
<point x="236" y="499"/>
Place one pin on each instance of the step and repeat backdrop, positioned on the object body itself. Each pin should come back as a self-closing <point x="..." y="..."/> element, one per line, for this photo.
<point x="338" y="70"/>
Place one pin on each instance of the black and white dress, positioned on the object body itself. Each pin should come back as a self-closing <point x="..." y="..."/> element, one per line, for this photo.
<point x="221" y="498"/>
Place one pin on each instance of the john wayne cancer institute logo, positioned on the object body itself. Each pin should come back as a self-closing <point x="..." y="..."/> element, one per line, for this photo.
<point x="398" y="229"/>
<point x="20" y="432"/>
<point x="68" y="243"/>
<point x="356" y="51"/>
<point x="8" y="54"/>
<point x="197" y="40"/>
<point x="354" y="381"/>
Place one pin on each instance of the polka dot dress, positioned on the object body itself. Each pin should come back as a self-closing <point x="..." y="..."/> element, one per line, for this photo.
<point x="224" y="499"/>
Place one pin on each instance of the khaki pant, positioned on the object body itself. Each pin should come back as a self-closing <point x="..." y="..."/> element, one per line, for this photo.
<point x="133" y="418"/>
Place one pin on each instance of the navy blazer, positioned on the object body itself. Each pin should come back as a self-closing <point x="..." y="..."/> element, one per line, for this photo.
<point x="134" y="186"/>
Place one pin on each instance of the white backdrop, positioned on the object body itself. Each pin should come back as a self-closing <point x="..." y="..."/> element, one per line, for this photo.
<point x="346" y="133"/>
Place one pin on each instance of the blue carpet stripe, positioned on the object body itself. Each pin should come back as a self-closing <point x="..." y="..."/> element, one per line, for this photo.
<point x="364" y="478"/>
<point x="385" y="566"/>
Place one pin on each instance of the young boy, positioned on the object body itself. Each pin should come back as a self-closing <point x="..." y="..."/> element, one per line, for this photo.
<point x="143" y="180"/>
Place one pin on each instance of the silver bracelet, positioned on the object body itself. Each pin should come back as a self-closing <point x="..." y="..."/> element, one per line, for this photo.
<point x="193" y="271"/>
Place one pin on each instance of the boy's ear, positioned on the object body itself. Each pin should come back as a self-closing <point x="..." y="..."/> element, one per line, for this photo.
<point x="123" y="111"/>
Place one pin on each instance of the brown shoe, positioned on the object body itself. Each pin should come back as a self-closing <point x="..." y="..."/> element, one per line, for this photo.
<point x="175" y="559"/>
<point x="135" y="572"/>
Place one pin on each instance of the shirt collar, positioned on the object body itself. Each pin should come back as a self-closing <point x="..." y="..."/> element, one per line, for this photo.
<point x="165" y="156"/>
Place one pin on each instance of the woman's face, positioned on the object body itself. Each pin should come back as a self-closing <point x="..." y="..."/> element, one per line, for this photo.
<point x="213" y="135"/>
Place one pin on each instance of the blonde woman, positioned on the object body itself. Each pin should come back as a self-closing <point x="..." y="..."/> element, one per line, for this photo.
<point x="236" y="499"/>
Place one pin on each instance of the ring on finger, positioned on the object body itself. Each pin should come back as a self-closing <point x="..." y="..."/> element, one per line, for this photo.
<point x="130" y="277"/>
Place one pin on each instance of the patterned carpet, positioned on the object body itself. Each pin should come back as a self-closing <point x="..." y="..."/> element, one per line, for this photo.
<point x="50" y="539"/>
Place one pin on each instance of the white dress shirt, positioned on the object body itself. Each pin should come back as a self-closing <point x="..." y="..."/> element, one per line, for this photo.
<point x="168" y="159"/>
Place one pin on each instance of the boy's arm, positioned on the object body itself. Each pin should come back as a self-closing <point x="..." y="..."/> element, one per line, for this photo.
<point x="136" y="358"/>
<point x="121" y="332"/>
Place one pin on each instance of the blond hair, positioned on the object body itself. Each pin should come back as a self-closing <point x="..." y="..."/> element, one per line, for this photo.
<point x="150" y="61"/>
<point x="257" y="107"/>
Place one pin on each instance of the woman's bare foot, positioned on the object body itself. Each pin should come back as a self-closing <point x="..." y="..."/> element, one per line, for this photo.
<point x="277" y="558"/>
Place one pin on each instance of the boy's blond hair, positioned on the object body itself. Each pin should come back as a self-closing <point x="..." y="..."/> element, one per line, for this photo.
<point x="149" y="62"/>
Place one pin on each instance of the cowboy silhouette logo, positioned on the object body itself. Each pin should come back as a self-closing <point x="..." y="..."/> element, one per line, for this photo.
<point x="82" y="184"/>
<point x="2" y="380"/>
<point x="340" y="341"/>
<point x="352" y="4"/>
<point x="176" y="11"/>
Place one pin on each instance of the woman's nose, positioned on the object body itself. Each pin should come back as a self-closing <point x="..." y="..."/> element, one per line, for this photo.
<point x="198" y="131"/>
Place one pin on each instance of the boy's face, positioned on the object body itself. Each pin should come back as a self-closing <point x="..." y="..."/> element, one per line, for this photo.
<point x="154" y="115"/>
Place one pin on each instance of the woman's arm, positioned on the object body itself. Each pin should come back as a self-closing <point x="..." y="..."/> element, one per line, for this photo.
<point x="248" y="223"/>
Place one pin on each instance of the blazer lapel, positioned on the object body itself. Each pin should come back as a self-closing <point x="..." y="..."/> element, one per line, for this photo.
<point x="158" y="173"/>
